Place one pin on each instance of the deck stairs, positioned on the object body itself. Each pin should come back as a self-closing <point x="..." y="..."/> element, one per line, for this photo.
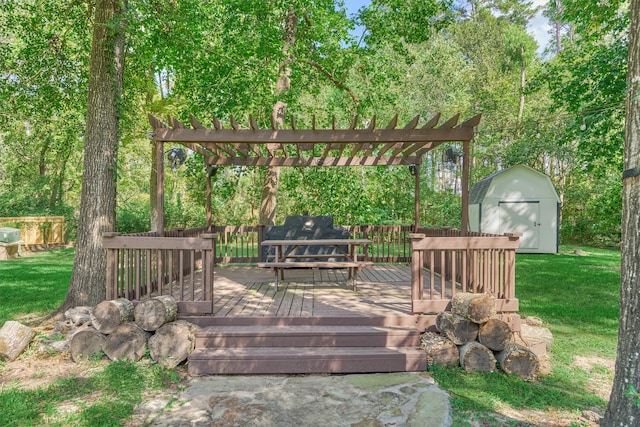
<point x="294" y="347"/>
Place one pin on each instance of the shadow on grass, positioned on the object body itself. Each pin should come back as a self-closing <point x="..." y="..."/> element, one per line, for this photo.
<point x="106" y="398"/>
<point x="477" y="393"/>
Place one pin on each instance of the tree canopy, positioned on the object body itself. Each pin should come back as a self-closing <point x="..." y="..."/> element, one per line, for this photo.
<point x="560" y="113"/>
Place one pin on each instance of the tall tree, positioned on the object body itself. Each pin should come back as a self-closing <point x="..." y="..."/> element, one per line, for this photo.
<point x="624" y="404"/>
<point x="98" y="197"/>
<point x="283" y="85"/>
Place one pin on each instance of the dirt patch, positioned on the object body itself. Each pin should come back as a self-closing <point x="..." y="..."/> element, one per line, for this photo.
<point x="35" y="369"/>
<point x="601" y="372"/>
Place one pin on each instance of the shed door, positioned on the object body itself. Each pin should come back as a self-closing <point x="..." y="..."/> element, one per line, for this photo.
<point x="521" y="217"/>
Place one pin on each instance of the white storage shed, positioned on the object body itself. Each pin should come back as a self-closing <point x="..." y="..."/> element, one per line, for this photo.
<point x="517" y="200"/>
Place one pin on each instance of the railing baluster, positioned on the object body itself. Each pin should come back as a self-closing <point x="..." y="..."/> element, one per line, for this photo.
<point x="453" y="272"/>
<point x="137" y="275"/>
<point x="181" y="273"/>
<point x="193" y="274"/>
<point x="149" y="272"/>
<point x="465" y="270"/>
<point x="443" y="275"/>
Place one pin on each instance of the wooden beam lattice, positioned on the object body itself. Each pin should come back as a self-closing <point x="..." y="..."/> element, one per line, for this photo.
<point x="274" y="146"/>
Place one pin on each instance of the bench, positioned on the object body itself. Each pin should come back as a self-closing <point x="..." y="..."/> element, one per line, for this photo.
<point x="353" y="266"/>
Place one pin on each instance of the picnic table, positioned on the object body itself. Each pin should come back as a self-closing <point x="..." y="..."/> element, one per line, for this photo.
<point x="345" y="255"/>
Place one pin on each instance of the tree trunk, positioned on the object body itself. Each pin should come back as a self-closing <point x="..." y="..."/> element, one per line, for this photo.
<point x="495" y="334"/>
<point x="476" y="357"/>
<point x="458" y="329"/>
<point x="624" y="408"/>
<point x="519" y="360"/>
<point x="478" y="308"/>
<point x="440" y="350"/>
<point x="558" y="28"/>
<point x="272" y="176"/>
<point x="127" y="342"/>
<point x="523" y="70"/>
<point x="151" y="314"/>
<point x="153" y="186"/>
<point x="98" y="197"/>
<point x="269" y="196"/>
<point x="172" y="343"/>
<point x="86" y="344"/>
<point x="14" y="339"/>
<point x="153" y="176"/>
<point x="108" y="315"/>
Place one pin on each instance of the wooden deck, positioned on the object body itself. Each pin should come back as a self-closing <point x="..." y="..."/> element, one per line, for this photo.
<point x="316" y="322"/>
<point x="245" y="295"/>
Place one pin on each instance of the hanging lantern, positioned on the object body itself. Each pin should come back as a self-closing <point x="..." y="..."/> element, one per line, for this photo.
<point x="176" y="157"/>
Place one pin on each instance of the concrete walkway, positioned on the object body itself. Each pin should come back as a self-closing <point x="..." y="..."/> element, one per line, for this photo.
<point x="372" y="400"/>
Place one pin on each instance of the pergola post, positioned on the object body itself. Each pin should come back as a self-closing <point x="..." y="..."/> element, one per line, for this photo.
<point x="208" y="201"/>
<point x="160" y="186"/>
<point x="417" y="198"/>
<point x="464" y="226"/>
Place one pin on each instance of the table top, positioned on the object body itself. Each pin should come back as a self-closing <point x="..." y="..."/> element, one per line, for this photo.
<point x="315" y="242"/>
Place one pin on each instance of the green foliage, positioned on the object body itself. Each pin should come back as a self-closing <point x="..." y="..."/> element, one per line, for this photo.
<point x="441" y="209"/>
<point x="42" y="93"/>
<point x="592" y="211"/>
<point x="633" y="393"/>
<point x="588" y="79"/>
<point x="132" y="217"/>
<point x="412" y="21"/>
<point x="181" y="215"/>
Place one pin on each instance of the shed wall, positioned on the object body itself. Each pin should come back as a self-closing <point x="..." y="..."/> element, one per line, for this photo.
<point x="519" y="200"/>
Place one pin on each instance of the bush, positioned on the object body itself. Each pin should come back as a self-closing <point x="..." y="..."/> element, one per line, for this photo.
<point x="592" y="215"/>
<point x="134" y="217"/>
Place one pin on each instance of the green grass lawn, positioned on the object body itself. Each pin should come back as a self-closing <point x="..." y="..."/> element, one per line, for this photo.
<point x="574" y="292"/>
<point x="34" y="285"/>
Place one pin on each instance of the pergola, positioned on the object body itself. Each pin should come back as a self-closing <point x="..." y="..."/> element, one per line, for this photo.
<point x="371" y="146"/>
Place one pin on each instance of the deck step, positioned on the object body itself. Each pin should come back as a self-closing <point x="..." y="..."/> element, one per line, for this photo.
<point x="421" y="322"/>
<point x="306" y="336"/>
<point x="305" y="360"/>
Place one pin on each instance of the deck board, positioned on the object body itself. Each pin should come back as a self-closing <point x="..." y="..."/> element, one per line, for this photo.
<point x="248" y="292"/>
<point x="311" y="293"/>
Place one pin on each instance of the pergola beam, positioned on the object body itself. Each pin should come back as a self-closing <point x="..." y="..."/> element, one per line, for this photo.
<point x="290" y="136"/>
<point x="313" y="161"/>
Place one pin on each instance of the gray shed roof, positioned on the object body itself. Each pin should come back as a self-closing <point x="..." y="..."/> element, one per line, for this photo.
<point x="479" y="191"/>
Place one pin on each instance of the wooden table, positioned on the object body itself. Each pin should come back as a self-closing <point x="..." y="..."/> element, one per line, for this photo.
<point x="285" y="256"/>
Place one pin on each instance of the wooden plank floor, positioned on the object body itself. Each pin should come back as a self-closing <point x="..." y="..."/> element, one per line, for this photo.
<point x="246" y="291"/>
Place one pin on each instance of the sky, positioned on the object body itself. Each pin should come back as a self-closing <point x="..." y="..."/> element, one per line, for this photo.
<point x="538" y="27"/>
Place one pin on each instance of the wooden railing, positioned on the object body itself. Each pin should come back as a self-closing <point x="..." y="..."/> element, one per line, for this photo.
<point x="389" y="243"/>
<point x="458" y="262"/>
<point x="241" y="244"/>
<point x="238" y="244"/>
<point x="181" y="262"/>
<point x="146" y="264"/>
